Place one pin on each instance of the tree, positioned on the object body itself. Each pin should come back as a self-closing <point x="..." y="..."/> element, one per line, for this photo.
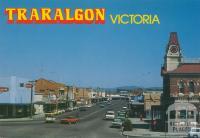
<point x="127" y="125"/>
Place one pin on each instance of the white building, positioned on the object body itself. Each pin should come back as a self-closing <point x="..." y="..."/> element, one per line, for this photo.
<point x="15" y="97"/>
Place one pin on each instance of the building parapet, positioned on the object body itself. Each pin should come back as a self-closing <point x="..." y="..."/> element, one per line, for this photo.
<point x="190" y="60"/>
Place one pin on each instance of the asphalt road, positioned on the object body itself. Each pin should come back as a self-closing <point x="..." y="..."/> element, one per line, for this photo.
<point x="91" y="125"/>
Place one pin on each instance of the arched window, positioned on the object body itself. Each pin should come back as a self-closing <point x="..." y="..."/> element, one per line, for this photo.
<point x="181" y="86"/>
<point x="191" y="86"/>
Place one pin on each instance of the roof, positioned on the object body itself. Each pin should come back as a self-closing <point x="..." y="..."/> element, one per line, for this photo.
<point x="187" y="68"/>
<point x="173" y="40"/>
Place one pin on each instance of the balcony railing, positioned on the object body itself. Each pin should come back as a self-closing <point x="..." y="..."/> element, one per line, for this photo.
<point x="194" y="99"/>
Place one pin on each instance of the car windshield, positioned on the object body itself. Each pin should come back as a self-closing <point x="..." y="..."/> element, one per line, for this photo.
<point x="121" y="114"/>
<point x="110" y="113"/>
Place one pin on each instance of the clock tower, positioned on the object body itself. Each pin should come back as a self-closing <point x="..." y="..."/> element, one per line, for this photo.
<point x="173" y="53"/>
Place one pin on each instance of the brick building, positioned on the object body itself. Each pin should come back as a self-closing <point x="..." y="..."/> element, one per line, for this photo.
<point x="82" y="96"/>
<point x="47" y="86"/>
<point x="54" y="94"/>
<point x="181" y="83"/>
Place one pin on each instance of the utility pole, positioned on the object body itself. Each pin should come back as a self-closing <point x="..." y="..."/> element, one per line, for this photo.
<point x="31" y="101"/>
<point x="31" y="85"/>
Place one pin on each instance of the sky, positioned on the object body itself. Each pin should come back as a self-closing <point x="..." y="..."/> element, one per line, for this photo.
<point x="108" y="55"/>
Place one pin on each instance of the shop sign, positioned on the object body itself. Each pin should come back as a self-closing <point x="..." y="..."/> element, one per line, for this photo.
<point x="29" y="85"/>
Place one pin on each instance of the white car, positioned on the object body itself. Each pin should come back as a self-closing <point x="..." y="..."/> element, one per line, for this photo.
<point x="50" y="119"/>
<point x="70" y="109"/>
<point x="124" y="108"/>
<point x="110" y="115"/>
<point x="76" y="108"/>
<point x="194" y="133"/>
<point x="89" y="105"/>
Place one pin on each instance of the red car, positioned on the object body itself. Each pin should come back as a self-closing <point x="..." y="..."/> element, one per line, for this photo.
<point x="70" y="120"/>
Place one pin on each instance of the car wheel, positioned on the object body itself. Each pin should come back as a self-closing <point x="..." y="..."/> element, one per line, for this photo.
<point x="195" y="136"/>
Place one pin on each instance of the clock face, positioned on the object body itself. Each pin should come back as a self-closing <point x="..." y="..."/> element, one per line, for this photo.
<point x="174" y="49"/>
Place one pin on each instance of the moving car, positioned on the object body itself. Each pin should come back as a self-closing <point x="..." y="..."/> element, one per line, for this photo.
<point x="50" y="117"/>
<point x="194" y="133"/>
<point x="117" y="122"/>
<point x="110" y="115"/>
<point x="70" y="120"/>
<point x="124" y="108"/>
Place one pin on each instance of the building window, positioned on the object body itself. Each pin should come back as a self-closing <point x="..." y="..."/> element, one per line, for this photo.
<point x="191" y="114"/>
<point x="172" y="114"/>
<point x="181" y="86"/>
<point x="21" y="84"/>
<point x="182" y="114"/>
<point x="191" y="86"/>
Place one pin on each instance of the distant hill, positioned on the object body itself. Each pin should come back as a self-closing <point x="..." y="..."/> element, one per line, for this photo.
<point x="122" y="88"/>
<point x="154" y="89"/>
<point x="130" y="88"/>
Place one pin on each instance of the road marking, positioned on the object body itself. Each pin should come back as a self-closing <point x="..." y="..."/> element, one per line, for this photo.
<point x="96" y="112"/>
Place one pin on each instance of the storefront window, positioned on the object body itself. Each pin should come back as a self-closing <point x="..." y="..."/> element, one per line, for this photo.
<point x="191" y="114"/>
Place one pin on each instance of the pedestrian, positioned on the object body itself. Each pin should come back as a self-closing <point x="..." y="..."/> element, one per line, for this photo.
<point x="154" y="124"/>
<point x="141" y="117"/>
<point x="77" y="114"/>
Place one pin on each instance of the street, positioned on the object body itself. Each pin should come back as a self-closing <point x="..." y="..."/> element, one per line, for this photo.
<point x="91" y="125"/>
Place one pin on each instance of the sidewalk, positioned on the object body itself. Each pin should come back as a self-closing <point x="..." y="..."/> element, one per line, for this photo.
<point x="144" y="131"/>
<point x="147" y="133"/>
<point x="34" y="118"/>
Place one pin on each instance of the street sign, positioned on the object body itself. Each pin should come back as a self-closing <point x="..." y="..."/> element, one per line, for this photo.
<point x="29" y="85"/>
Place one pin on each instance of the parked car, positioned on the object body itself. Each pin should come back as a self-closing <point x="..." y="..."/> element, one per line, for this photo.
<point x="121" y="116"/>
<point x="76" y="108"/>
<point x="50" y="117"/>
<point x="108" y="103"/>
<point x="70" y="109"/>
<point x="110" y="115"/>
<point x="194" y="133"/>
<point x="123" y="112"/>
<point x="102" y="105"/>
<point x="70" y="120"/>
<point x="82" y="108"/>
<point x="89" y="105"/>
<point x="117" y="122"/>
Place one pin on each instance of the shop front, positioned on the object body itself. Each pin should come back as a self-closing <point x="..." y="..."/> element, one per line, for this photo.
<point x="181" y="117"/>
